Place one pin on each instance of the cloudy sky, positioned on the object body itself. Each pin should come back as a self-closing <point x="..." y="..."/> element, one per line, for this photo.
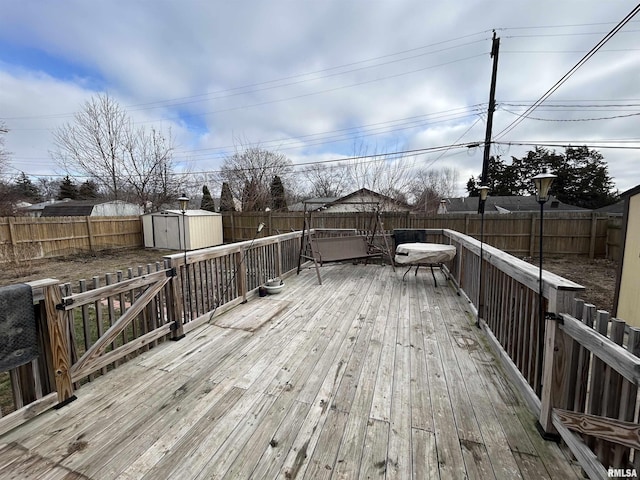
<point x="324" y="80"/>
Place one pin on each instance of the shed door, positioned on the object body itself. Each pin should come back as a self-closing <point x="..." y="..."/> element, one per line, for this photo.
<point x="166" y="232"/>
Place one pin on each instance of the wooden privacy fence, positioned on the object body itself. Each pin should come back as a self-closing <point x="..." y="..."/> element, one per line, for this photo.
<point x="578" y="371"/>
<point x="23" y="238"/>
<point x="595" y="235"/>
<point x="572" y="233"/>
<point x="92" y="327"/>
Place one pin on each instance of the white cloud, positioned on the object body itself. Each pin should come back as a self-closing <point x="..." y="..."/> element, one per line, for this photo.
<point x="197" y="54"/>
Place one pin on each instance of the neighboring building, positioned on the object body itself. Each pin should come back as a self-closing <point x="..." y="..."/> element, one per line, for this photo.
<point x="91" y="208"/>
<point x="35" y="210"/>
<point x="615" y="209"/>
<point x="363" y="200"/>
<point x="312" y="204"/>
<point x="627" y="297"/>
<point x="506" y="204"/>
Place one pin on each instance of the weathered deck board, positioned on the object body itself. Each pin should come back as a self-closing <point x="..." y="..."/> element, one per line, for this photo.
<point x="364" y="376"/>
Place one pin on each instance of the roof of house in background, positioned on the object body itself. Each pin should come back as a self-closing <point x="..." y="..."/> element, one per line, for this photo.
<point x="74" y="208"/>
<point x="507" y="204"/>
<point x="312" y="204"/>
<point x="614" y="208"/>
<point x="41" y="205"/>
<point x="318" y="203"/>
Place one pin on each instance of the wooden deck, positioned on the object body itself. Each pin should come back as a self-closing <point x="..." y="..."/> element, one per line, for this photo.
<point x="365" y="376"/>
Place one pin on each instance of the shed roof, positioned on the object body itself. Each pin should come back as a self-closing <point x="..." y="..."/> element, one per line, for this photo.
<point x="189" y="213"/>
<point x="631" y="192"/>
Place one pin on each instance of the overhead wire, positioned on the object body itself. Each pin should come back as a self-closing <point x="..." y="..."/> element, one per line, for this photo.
<point x="251" y="88"/>
<point x="367" y="158"/>
<point x="571" y="71"/>
<point x="573" y="119"/>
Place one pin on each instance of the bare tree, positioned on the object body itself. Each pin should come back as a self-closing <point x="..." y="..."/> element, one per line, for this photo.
<point x="429" y="186"/>
<point x="249" y="173"/>
<point x="125" y="162"/>
<point x="94" y="143"/>
<point x="325" y="180"/>
<point x="149" y="168"/>
<point x="388" y="175"/>
<point x="4" y="155"/>
<point x="48" y="188"/>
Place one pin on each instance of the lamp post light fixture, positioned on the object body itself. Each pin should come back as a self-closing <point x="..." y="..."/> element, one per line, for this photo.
<point x="542" y="183"/>
<point x="484" y="192"/>
<point x="183" y="201"/>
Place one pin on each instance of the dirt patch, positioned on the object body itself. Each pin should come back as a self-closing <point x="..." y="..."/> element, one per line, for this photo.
<point x="81" y="266"/>
<point x="598" y="276"/>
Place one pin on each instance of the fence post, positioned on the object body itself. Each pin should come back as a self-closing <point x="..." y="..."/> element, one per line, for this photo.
<point x="59" y="337"/>
<point x="532" y="235"/>
<point x="12" y="237"/>
<point x="592" y="238"/>
<point x="90" y="234"/>
<point x="233" y="228"/>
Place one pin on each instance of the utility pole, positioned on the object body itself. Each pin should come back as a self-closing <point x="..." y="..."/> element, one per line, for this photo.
<point x="495" y="48"/>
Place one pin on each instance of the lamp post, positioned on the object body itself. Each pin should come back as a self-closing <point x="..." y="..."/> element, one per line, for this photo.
<point x="484" y="192"/>
<point x="542" y="183"/>
<point x="184" y="203"/>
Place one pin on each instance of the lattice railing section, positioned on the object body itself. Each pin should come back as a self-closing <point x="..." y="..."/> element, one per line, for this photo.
<point x="90" y="327"/>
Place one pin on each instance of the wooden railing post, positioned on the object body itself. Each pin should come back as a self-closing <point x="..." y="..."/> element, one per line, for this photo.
<point x="60" y="349"/>
<point x="557" y="356"/>
<point x="241" y="277"/>
<point x="174" y="299"/>
<point x="278" y="258"/>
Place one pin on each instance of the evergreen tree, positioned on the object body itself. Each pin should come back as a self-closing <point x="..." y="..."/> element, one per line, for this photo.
<point x="226" y="199"/>
<point x="207" y="201"/>
<point x="252" y="198"/>
<point x="88" y="190"/>
<point x="278" y="200"/>
<point x="67" y="189"/>
<point x="25" y="189"/>
<point x="583" y="177"/>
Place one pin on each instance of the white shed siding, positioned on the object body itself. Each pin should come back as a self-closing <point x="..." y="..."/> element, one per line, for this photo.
<point x="628" y="308"/>
<point x="166" y="229"/>
<point x="117" y="208"/>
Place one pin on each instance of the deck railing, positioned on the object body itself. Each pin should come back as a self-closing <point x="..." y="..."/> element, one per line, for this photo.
<point x="578" y="370"/>
<point x="92" y="327"/>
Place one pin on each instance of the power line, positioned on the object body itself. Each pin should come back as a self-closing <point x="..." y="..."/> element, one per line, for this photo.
<point x="567" y="75"/>
<point x="251" y="88"/>
<point x="320" y="138"/>
<point x="570" y="144"/>
<point x="570" y="25"/>
<point x="375" y="157"/>
<point x="573" y="119"/>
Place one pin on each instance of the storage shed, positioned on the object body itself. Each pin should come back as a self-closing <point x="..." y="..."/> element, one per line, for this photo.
<point x="627" y="298"/>
<point x="170" y="229"/>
